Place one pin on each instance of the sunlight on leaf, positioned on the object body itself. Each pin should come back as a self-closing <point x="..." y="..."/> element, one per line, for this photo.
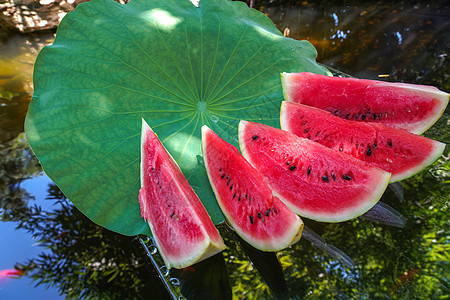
<point x="161" y="19"/>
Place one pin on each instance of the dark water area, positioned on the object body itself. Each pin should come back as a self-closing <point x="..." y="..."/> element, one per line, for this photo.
<point x="397" y="41"/>
<point x="360" y="259"/>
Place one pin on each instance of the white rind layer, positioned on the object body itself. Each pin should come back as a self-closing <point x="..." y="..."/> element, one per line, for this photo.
<point x="207" y="248"/>
<point x="438" y="147"/>
<point x="373" y="195"/>
<point x="434" y="155"/>
<point x="290" y="237"/>
<point x="289" y="85"/>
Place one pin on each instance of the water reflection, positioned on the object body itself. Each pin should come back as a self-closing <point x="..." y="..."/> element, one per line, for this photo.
<point x="17" y="57"/>
<point x="399" y="41"/>
<point x="112" y="266"/>
<point x="407" y="42"/>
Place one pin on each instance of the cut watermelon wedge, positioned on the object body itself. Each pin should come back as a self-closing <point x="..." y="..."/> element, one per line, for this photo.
<point x="410" y="107"/>
<point x="247" y="202"/>
<point x="181" y="226"/>
<point x="314" y="181"/>
<point x="396" y="151"/>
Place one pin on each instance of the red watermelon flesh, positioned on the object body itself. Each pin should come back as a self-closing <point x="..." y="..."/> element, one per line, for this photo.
<point x="246" y="200"/>
<point x="397" y="151"/>
<point x="181" y="226"/>
<point x="314" y="181"/>
<point x="410" y="107"/>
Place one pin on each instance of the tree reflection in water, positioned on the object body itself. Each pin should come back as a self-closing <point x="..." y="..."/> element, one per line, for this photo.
<point x="85" y="260"/>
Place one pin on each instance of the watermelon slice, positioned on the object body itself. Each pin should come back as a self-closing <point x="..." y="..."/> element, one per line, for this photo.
<point x="314" y="181"/>
<point x="397" y="151"/>
<point x="410" y="107"/>
<point x="181" y="226"/>
<point x="247" y="202"/>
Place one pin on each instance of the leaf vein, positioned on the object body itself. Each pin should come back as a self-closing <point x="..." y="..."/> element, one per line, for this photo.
<point x="247" y="81"/>
<point x="226" y="65"/>
<point x="235" y="75"/>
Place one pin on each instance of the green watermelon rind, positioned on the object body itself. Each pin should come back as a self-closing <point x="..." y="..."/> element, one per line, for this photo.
<point x="378" y="190"/>
<point x="207" y="247"/>
<point x="438" y="147"/>
<point x="290" y="237"/>
<point x="288" y="83"/>
<point x="434" y="156"/>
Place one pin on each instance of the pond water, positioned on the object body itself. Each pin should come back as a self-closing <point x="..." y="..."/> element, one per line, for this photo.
<point x="50" y="241"/>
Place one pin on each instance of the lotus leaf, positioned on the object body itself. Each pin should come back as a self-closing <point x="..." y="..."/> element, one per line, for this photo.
<point x="176" y="65"/>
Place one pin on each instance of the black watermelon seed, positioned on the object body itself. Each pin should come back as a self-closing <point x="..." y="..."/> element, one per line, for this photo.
<point x="223" y="175"/>
<point x="251" y="219"/>
<point x="325" y="178"/>
<point x="306" y="130"/>
<point x="363" y="117"/>
<point x="259" y="215"/>
<point x="309" y="171"/>
<point x="255" y="137"/>
<point x="234" y="196"/>
<point x="228" y="182"/>
<point x="340" y="149"/>
<point x="228" y="177"/>
<point x="172" y="214"/>
<point x="356" y="116"/>
<point x="335" y="112"/>
<point x="369" y="152"/>
<point x="374" y="116"/>
<point x="267" y="212"/>
<point x="346" y="177"/>
<point x="231" y="187"/>
<point x="292" y="168"/>
<point x="288" y="162"/>
<point x="347" y="116"/>
<point x="390" y="143"/>
<point x="239" y="199"/>
<point x="333" y="176"/>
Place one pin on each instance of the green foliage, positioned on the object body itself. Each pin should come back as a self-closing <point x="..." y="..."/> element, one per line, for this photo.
<point x="16" y="164"/>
